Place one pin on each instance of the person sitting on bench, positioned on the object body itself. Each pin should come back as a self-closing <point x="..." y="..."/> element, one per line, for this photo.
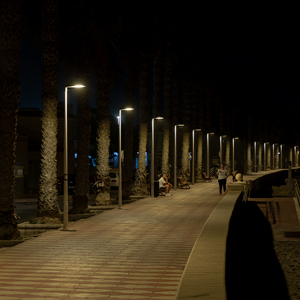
<point x="164" y="184"/>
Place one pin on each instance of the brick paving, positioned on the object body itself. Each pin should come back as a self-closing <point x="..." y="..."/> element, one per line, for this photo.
<point x="138" y="252"/>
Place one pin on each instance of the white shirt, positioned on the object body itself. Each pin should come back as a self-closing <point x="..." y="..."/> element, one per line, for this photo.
<point x="161" y="182"/>
<point x="222" y="174"/>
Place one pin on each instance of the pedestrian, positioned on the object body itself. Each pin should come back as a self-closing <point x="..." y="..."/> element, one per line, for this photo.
<point x="164" y="184"/>
<point x="222" y="175"/>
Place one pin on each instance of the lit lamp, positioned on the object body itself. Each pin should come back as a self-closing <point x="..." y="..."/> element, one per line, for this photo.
<point x="175" y="154"/>
<point x="193" y="155"/>
<point x="66" y="212"/>
<point x="152" y="156"/>
<point x="235" y="138"/>
<point x="207" y="163"/>
<point x="120" y="157"/>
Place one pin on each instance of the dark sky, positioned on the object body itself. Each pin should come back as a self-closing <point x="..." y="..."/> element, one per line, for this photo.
<point x="254" y="48"/>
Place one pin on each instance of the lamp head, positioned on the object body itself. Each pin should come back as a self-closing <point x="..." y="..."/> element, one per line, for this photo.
<point x="179" y="125"/>
<point x="159" y="118"/>
<point x="77" y="86"/>
<point x="127" y="108"/>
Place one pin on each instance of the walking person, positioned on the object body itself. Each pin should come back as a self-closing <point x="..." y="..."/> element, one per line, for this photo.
<point x="221" y="173"/>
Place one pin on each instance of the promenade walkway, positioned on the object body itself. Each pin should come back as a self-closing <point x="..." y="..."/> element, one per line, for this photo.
<point x="138" y="252"/>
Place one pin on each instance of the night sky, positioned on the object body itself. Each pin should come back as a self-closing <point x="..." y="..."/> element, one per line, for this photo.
<point x="252" y="49"/>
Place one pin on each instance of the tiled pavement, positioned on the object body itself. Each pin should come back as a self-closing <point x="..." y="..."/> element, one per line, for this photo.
<point x="138" y="252"/>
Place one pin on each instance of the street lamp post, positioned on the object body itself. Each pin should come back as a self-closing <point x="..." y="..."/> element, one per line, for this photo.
<point x="235" y="138"/>
<point x="120" y="157"/>
<point x="265" y="156"/>
<point x="281" y="154"/>
<point x="255" y="158"/>
<point x="66" y="200"/>
<point x="152" y="156"/>
<point x="193" y="155"/>
<point x="207" y="155"/>
<point x="175" y="155"/>
<point x="273" y="160"/>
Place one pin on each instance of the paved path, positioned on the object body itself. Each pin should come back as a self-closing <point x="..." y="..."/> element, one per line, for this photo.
<point x="138" y="252"/>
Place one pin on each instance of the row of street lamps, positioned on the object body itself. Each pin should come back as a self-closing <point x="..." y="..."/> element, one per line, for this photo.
<point x="65" y="227"/>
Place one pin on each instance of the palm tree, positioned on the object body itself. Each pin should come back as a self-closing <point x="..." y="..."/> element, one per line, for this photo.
<point x="82" y="176"/>
<point x="10" y="42"/>
<point x="140" y="185"/>
<point x="128" y="146"/>
<point x="200" y="115"/>
<point x="103" y="131"/>
<point x="79" y="41"/>
<point x="157" y="91"/>
<point x="47" y="205"/>
<point x="104" y="30"/>
<point x="186" y="133"/>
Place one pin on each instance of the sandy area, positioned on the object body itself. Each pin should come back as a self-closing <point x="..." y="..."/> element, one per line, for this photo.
<point x="288" y="255"/>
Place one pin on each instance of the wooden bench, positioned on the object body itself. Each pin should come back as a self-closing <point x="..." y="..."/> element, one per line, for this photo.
<point x="205" y="178"/>
<point x="161" y="191"/>
<point x="184" y="184"/>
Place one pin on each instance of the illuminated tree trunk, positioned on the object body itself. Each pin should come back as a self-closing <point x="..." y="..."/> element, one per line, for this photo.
<point x="140" y="184"/>
<point x="10" y="42"/>
<point x="185" y="155"/>
<point x="47" y="205"/>
<point x="227" y="155"/>
<point x="268" y="156"/>
<point x="81" y="59"/>
<point x="82" y="176"/>
<point x="200" y="156"/>
<point x="249" y="161"/>
<point x="166" y="137"/>
<point x="260" y="166"/>
<point x="128" y="145"/>
<point x="157" y="91"/>
<point x="186" y="129"/>
<point x="103" y="133"/>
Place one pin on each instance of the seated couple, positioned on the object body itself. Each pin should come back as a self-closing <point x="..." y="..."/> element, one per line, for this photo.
<point x="164" y="184"/>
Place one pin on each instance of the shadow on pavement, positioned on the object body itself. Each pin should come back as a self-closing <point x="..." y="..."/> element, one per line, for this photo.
<point x="252" y="268"/>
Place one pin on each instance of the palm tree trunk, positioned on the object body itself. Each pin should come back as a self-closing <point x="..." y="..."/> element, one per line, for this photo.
<point x="200" y="156"/>
<point x="157" y="91"/>
<point x="10" y="42"/>
<point x="82" y="176"/>
<point x="128" y="145"/>
<point x="140" y="184"/>
<point x="103" y="133"/>
<point x="165" y="168"/>
<point x="186" y="136"/>
<point x="268" y="156"/>
<point x="227" y="154"/>
<point x="47" y="205"/>
<point x="175" y="106"/>
<point x="185" y="157"/>
<point x="260" y="166"/>
<point x="249" y="161"/>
